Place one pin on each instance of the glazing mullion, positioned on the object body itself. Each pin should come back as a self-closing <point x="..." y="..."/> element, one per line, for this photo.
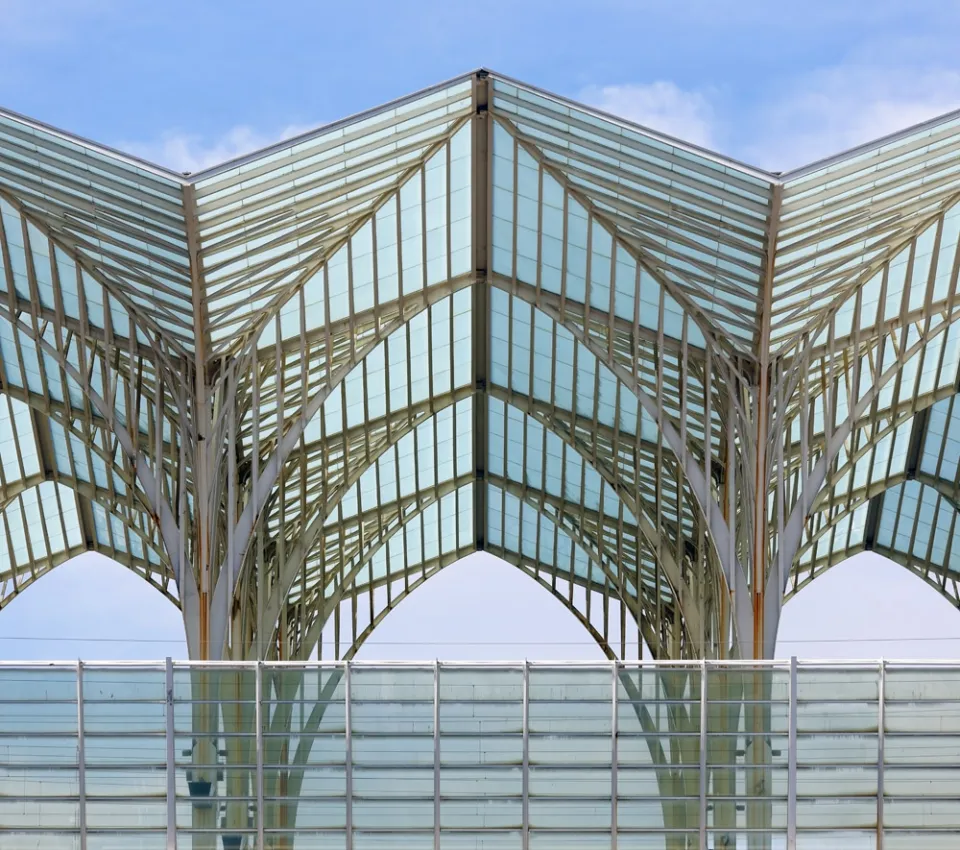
<point x="881" y="749"/>
<point x="525" y="763"/>
<point x="348" y="752"/>
<point x="436" y="756"/>
<point x="81" y="760"/>
<point x="171" y="758"/>
<point x="614" y="753"/>
<point x="792" y="758"/>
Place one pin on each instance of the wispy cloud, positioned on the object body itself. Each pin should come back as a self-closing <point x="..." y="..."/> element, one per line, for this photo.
<point x="191" y="152"/>
<point x="831" y="110"/>
<point x="661" y="106"/>
<point x="815" y="115"/>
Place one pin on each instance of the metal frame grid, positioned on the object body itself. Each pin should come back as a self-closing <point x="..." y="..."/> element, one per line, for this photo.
<point x="350" y="754"/>
<point x="671" y="388"/>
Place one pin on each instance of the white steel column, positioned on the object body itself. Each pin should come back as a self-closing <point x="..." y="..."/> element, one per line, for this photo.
<point x="881" y="724"/>
<point x="348" y="753"/>
<point x="258" y="719"/>
<point x="81" y="760"/>
<point x="482" y="191"/>
<point x="171" y="764"/>
<point x="703" y="755"/>
<point x="614" y="753"/>
<point x="436" y="755"/>
<point x="792" y="760"/>
<point x="525" y="805"/>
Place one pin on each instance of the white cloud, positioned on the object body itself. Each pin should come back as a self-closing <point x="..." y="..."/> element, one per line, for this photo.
<point x="191" y="152"/>
<point x="815" y="115"/>
<point x="829" y="111"/>
<point x="662" y="106"/>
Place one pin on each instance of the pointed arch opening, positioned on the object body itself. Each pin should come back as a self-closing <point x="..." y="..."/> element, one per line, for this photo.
<point x="868" y="606"/>
<point x="94" y="608"/>
<point x="481" y="608"/>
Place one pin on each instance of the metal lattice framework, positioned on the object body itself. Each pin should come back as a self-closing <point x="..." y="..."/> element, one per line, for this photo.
<point x="669" y="387"/>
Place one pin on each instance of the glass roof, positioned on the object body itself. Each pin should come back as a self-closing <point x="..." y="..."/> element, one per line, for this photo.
<point x="698" y="222"/>
<point x="277" y="222"/>
<point x="481" y="316"/>
<point x="126" y="218"/>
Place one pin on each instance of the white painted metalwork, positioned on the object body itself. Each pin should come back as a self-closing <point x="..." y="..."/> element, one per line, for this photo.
<point x="863" y="740"/>
<point x="170" y="765"/>
<point x="792" y="758"/>
<point x="525" y="780"/>
<point x="669" y="387"/>
<point x="348" y="755"/>
<point x="436" y="756"/>
<point x="881" y="757"/>
<point x="81" y="760"/>
<point x="614" y="753"/>
<point x="258" y="779"/>
<point x="702" y="767"/>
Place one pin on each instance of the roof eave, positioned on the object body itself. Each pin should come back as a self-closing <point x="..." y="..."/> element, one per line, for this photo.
<point x="664" y="138"/>
<point x="866" y="147"/>
<point x="306" y="136"/>
<point x="96" y="147"/>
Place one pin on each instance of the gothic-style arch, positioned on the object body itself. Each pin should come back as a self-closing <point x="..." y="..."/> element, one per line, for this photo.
<point x="344" y="457"/>
<point x="286" y="363"/>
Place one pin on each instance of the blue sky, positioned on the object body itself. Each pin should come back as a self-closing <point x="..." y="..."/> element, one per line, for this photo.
<point x="189" y="84"/>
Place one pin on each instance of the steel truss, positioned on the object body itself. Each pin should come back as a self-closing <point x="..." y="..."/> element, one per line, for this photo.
<point x="671" y="388"/>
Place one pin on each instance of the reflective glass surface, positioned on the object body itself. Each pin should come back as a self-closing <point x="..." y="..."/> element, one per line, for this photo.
<point x="289" y="389"/>
<point x="703" y="755"/>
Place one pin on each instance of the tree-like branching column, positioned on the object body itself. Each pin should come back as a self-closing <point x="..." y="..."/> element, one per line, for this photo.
<point x="670" y="388"/>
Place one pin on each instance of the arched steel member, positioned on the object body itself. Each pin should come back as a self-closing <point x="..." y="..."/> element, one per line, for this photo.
<point x="765" y="327"/>
<point x="78" y="369"/>
<point x="613" y="452"/>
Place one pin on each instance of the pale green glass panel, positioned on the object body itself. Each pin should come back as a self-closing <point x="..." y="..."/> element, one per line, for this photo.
<point x="313" y="840"/>
<point x="909" y="840"/>
<point x="655" y="840"/>
<point x="489" y="839"/>
<point x="386" y="840"/>
<point x="127" y="840"/>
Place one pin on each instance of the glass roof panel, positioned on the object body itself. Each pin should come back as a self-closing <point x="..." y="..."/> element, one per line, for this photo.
<point x="280" y="219"/>
<point x="515" y="526"/>
<point x="920" y="524"/>
<point x="700" y="222"/>
<point x="620" y="264"/>
<point x="128" y="219"/>
<point x="840" y="221"/>
<point x="940" y="458"/>
<point x="546" y="238"/>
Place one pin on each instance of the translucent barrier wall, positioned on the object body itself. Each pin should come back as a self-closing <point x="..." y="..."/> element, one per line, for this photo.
<point x="470" y="756"/>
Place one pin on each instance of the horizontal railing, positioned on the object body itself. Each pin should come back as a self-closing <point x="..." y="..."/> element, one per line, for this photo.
<point x="811" y="754"/>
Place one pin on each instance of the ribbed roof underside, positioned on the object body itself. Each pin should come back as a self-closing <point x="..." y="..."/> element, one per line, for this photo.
<point x="262" y="224"/>
<point x="327" y="288"/>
